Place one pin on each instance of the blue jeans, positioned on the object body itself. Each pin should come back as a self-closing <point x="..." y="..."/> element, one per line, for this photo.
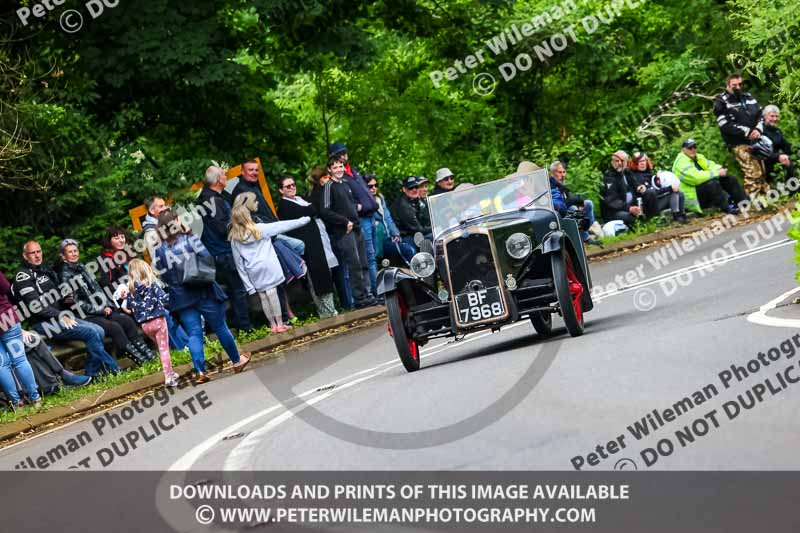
<point x="342" y="282"/>
<point x="368" y="231"/>
<point x="228" y="275"/>
<point x="397" y="250"/>
<point x="12" y="355"/>
<point x="100" y="361"/>
<point x="178" y="339"/>
<point x="214" y="313"/>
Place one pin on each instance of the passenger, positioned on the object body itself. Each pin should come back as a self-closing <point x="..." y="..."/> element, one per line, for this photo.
<point x="573" y="203"/>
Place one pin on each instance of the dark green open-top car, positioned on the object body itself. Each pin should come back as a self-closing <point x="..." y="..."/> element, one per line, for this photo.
<point x="500" y="253"/>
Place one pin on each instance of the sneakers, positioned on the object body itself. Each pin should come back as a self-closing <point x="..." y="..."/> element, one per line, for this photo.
<point x="172" y="380"/>
<point x="244" y="358"/>
<point x="595" y="242"/>
<point x="74" y="380"/>
<point x="680" y="218"/>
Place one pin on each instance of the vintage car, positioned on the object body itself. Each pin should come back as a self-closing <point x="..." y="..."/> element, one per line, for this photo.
<point x="499" y="253"/>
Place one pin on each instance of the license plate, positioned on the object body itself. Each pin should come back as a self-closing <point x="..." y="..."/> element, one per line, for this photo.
<point x="480" y="305"/>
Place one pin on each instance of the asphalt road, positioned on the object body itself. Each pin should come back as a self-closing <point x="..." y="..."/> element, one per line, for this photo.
<point x="502" y="401"/>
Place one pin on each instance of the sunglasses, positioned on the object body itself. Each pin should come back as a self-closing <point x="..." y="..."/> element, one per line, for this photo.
<point x="372" y="185"/>
<point x="290" y="186"/>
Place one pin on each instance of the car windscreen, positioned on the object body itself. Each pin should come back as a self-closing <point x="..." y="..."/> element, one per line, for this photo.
<point x="469" y="201"/>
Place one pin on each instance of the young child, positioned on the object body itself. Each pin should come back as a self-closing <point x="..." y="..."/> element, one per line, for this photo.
<point x="147" y="301"/>
<point x="256" y="259"/>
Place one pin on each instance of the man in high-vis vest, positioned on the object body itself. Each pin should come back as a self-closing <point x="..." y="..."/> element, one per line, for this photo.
<point x="705" y="183"/>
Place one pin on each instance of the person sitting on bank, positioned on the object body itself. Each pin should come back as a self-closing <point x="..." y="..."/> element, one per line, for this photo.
<point x="98" y="308"/>
<point x="617" y="200"/>
<point x="781" y="149"/>
<point x="705" y="183"/>
<point x="50" y="374"/>
<point x="32" y="285"/>
<point x="655" y="197"/>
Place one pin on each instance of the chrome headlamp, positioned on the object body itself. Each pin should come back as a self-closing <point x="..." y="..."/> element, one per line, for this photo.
<point x="423" y="264"/>
<point x="519" y="246"/>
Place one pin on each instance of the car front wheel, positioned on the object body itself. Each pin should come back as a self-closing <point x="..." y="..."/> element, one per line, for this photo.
<point x="568" y="290"/>
<point x="407" y="348"/>
<point x="542" y="322"/>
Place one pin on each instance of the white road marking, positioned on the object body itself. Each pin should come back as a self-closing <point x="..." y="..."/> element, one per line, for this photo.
<point x="706" y="265"/>
<point x="760" y="316"/>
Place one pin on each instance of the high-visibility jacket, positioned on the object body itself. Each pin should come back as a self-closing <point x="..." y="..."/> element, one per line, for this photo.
<point x="693" y="173"/>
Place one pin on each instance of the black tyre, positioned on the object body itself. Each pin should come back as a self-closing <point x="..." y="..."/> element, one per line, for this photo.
<point x="569" y="290"/>
<point x="542" y="323"/>
<point x="407" y="348"/>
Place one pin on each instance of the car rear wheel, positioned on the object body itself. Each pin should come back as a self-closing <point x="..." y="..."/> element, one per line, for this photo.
<point x="407" y="348"/>
<point x="542" y="322"/>
<point x="569" y="290"/>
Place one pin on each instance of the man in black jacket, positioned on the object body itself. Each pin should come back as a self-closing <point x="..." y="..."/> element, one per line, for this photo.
<point x="616" y="193"/>
<point x="339" y="210"/>
<point x="216" y="213"/>
<point x="740" y="122"/>
<point x="36" y="288"/>
<point x="248" y="182"/>
<point x="406" y="212"/>
<point x="781" y="148"/>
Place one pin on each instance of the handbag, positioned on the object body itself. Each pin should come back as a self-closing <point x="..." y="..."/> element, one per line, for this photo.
<point x="198" y="270"/>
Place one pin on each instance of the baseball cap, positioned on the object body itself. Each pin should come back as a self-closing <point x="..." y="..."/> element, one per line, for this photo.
<point x="688" y="143"/>
<point x="443" y="173"/>
<point x="410" y="182"/>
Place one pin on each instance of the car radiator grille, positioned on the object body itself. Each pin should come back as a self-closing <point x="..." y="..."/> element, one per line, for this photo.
<point x="470" y="259"/>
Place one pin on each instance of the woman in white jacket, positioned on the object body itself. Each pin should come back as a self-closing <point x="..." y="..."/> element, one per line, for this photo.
<point x="257" y="261"/>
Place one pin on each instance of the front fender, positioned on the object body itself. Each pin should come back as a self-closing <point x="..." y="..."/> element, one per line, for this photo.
<point x="553" y="242"/>
<point x="389" y="277"/>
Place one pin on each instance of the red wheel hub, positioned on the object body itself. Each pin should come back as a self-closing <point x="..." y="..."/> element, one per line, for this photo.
<point x="575" y="290"/>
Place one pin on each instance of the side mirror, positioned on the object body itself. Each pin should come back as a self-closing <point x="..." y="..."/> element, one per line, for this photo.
<point x="385" y="263"/>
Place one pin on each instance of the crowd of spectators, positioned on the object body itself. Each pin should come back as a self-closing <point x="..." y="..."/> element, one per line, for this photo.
<point x="327" y="245"/>
<point x="632" y="189"/>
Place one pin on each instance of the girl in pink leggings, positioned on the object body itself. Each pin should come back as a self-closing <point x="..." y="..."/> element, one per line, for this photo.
<point x="147" y="301"/>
